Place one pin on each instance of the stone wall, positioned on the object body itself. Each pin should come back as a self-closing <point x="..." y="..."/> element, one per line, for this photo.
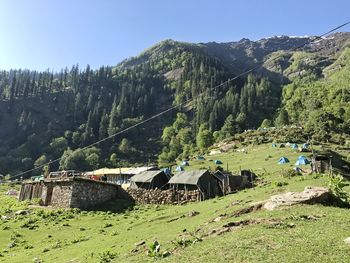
<point x="61" y="194"/>
<point x="156" y="196"/>
<point x="88" y="193"/>
<point x="72" y="192"/>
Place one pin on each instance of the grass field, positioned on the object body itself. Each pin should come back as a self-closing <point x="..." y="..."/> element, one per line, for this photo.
<point x="309" y="233"/>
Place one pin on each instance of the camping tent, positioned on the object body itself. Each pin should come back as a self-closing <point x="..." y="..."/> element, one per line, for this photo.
<point x="294" y="146"/>
<point x="167" y="171"/>
<point x="218" y="162"/>
<point x="185" y="163"/>
<point x="200" y="180"/>
<point x="149" y="180"/>
<point x="179" y="169"/>
<point x="283" y="160"/>
<point x="274" y="145"/>
<point x="306" y="145"/>
<point x="302" y="160"/>
<point x="282" y="145"/>
<point x="200" y="157"/>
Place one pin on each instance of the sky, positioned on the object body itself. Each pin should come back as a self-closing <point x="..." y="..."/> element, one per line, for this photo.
<point x="48" y="34"/>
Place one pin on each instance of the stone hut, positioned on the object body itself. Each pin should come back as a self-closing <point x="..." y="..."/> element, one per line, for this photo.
<point x="321" y="164"/>
<point x="200" y="180"/>
<point x="71" y="192"/>
<point x="149" y="180"/>
<point x="250" y="176"/>
<point x="229" y="183"/>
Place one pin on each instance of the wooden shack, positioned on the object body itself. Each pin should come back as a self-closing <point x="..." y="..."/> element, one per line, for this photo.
<point x="321" y="164"/>
<point x="229" y="183"/>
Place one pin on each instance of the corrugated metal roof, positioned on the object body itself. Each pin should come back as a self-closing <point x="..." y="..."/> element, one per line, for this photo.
<point x="110" y="171"/>
<point x="116" y="171"/>
<point x="136" y="170"/>
<point x="145" y="177"/>
<point x="187" y="177"/>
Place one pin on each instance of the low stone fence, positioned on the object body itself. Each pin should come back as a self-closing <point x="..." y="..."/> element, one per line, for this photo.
<point x="161" y="197"/>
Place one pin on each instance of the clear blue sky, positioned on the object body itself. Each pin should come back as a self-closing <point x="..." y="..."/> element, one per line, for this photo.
<point x="41" y="34"/>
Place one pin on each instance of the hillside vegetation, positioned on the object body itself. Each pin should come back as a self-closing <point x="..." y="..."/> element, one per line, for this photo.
<point x="49" y="115"/>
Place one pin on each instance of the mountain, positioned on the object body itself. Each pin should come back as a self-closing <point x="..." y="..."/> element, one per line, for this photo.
<point x="45" y="115"/>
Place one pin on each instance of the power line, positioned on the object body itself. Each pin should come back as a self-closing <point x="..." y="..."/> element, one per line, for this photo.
<point x="309" y="41"/>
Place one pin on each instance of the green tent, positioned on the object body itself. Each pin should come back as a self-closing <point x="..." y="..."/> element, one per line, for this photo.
<point x="149" y="180"/>
<point x="200" y="180"/>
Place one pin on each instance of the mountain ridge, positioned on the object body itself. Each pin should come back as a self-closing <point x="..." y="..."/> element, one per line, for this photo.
<point x="80" y="106"/>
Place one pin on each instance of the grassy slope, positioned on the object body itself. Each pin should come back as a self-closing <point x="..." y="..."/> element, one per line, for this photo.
<point x="82" y="237"/>
<point x="260" y="159"/>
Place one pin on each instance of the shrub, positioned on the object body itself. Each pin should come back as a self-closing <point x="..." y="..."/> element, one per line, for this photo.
<point x="279" y="184"/>
<point x="106" y="256"/>
<point x="288" y="173"/>
<point x="336" y="184"/>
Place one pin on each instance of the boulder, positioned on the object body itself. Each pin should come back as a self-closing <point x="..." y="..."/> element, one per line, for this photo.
<point x="347" y="240"/>
<point x="310" y="195"/>
<point x="22" y="212"/>
<point x="142" y="242"/>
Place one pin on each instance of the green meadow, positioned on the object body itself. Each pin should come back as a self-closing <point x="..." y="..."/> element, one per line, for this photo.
<point x="186" y="233"/>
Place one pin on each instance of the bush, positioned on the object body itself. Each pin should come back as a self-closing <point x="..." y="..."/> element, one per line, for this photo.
<point x="279" y="184"/>
<point x="336" y="184"/>
<point x="106" y="256"/>
<point x="288" y="173"/>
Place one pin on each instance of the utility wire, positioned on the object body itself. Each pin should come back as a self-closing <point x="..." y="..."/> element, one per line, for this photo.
<point x="309" y="41"/>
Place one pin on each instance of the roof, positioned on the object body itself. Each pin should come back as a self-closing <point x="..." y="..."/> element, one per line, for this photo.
<point x="220" y="175"/>
<point x="187" y="177"/>
<point x="111" y="171"/>
<point x="146" y="176"/>
<point x="123" y="170"/>
<point x="136" y="170"/>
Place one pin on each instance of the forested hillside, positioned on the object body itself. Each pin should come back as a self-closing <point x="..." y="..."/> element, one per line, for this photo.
<point x="48" y="115"/>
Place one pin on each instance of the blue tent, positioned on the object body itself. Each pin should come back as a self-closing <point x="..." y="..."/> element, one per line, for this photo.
<point x="167" y="171"/>
<point x="294" y="146"/>
<point x="200" y="157"/>
<point x="306" y="145"/>
<point x="185" y="163"/>
<point x="283" y="160"/>
<point x="274" y="145"/>
<point x="302" y="160"/>
<point x="218" y="162"/>
<point x="179" y="169"/>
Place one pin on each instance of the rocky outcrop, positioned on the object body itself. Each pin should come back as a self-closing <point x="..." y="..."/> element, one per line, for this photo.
<point x="310" y="195"/>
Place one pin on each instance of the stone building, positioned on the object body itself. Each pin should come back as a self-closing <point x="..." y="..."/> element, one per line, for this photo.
<point x="72" y="192"/>
<point x="321" y="164"/>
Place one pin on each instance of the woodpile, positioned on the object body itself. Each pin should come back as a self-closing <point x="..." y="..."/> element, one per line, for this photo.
<point x="156" y="196"/>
